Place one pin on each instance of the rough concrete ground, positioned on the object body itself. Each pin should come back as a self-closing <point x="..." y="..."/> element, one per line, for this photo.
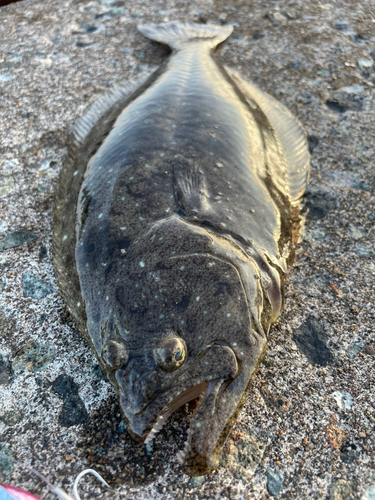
<point x="308" y="427"/>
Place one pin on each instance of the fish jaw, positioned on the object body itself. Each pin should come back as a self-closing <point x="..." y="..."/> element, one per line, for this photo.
<point x="216" y="416"/>
<point x="218" y="362"/>
<point x="220" y="396"/>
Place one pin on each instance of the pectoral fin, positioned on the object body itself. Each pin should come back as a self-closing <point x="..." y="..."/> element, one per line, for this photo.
<point x="190" y="188"/>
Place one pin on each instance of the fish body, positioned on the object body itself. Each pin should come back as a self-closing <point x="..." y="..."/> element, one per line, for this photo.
<point x="174" y="228"/>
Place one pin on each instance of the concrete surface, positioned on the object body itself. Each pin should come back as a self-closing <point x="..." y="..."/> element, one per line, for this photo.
<point x="307" y="429"/>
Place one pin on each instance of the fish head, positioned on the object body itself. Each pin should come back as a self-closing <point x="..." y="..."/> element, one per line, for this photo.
<point x="190" y="336"/>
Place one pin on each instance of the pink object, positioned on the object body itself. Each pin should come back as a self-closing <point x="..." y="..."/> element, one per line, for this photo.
<point x="16" y="493"/>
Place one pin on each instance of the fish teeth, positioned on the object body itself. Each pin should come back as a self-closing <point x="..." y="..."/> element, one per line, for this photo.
<point x="157" y="427"/>
<point x="180" y="457"/>
<point x="150" y="437"/>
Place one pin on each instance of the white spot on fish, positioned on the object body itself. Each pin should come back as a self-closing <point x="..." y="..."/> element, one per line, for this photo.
<point x="141" y="264"/>
<point x="78" y="304"/>
<point x="65" y="237"/>
<point x="229" y="315"/>
<point x="197" y="298"/>
<point x="122" y="228"/>
<point x="100" y="216"/>
<point x="107" y="298"/>
<point x="75" y="173"/>
<point x="182" y="268"/>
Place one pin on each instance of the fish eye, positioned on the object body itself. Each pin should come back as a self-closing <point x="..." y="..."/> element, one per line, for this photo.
<point x="170" y="353"/>
<point x="115" y="353"/>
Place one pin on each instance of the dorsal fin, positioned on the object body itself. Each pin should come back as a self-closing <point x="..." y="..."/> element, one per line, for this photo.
<point x="85" y="138"/>
<point x="83" y="125"/>
<point x="289" y="132"/>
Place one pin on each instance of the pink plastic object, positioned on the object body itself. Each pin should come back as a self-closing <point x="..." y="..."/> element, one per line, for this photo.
<point x="14" y="493"/>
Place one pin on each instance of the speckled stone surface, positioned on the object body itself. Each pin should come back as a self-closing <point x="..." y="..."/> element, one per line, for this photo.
<point x="308" y="427"/>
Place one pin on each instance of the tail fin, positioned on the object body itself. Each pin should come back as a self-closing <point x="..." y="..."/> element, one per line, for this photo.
<point x="177" y="33"/>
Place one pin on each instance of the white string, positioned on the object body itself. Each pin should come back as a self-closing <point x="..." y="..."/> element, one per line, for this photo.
<point x="78" y="478"/>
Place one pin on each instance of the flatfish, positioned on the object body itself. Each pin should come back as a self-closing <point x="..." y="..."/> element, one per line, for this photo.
<point x="175" y="224"/>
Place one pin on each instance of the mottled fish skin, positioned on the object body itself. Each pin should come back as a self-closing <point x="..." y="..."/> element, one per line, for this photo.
<point x="174" y="228"/>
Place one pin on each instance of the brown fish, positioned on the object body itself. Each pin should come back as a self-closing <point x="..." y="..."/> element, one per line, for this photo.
<point x="175" y="225"/>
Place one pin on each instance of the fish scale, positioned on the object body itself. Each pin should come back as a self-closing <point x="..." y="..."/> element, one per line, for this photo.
<point x="176" y="219"/>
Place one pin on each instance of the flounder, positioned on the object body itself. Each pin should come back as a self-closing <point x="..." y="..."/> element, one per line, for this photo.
<point x="175" y="224"/>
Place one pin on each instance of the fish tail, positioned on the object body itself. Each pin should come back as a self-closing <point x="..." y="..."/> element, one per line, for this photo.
<point x="177" y="33"/>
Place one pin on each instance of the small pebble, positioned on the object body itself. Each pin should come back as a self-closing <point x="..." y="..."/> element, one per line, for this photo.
<point x="197" y="481"/>
<point x="5" y="78"/>
<point x="274" y="482"/>
<point x="343" y="399"/>
<point x="17" y="238"/>
<point x="342" y="25"/>
<point x="365" y="63"/>
<point x="34" y="357"/>
<point x="34" y="287"/>
<point x="343" y="490"/>
<point x="5" y="187"/>
<point x="369" y="493"/>
<point x="363" y="250"/>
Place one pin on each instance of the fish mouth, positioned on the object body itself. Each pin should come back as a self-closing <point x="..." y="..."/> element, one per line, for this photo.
<point x="220" y="388"/>
<point x="202" y="448"/>
<point x="199" y="392"/>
